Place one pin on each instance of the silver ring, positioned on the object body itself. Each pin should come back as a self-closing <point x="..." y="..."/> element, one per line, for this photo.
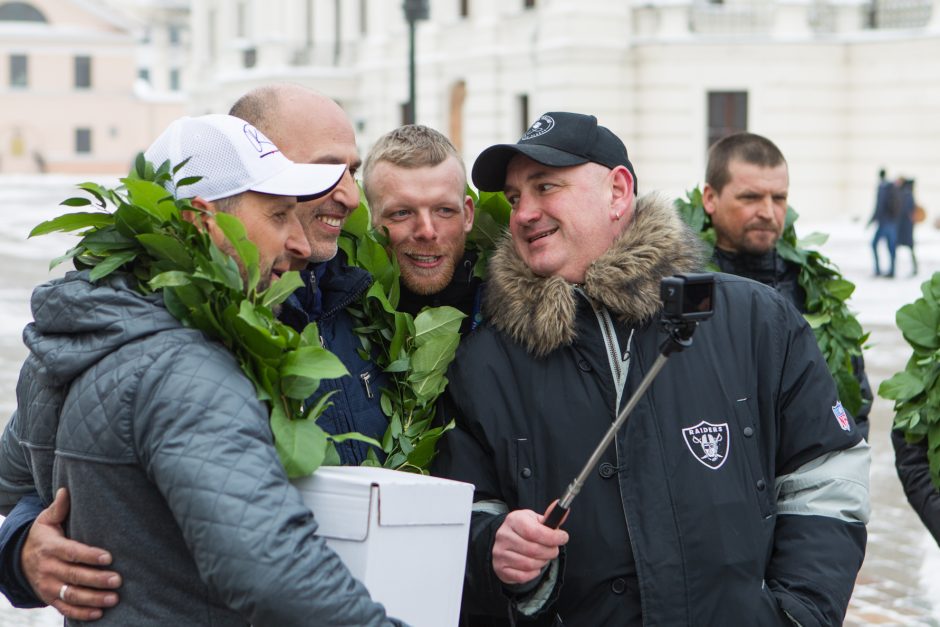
<point x="63" y="590"/>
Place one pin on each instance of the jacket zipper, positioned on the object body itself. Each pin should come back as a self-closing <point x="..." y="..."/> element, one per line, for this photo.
<point x="613" y="353"/>
<point x="366" y="377"/>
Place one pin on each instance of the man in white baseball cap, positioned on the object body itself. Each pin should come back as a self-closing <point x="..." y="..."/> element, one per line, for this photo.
<point x="240" y="171"/>
<point x="161" y="439"/>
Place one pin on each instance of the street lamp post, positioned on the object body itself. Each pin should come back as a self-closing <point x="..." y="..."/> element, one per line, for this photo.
<point x="414" y="10"/>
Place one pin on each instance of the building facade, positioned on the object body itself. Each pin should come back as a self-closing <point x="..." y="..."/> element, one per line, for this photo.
<point x="72" y="97"/>
<point x="844" y="87"/>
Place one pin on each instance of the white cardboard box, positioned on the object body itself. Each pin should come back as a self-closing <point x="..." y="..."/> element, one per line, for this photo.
<point x="402" y="535"/>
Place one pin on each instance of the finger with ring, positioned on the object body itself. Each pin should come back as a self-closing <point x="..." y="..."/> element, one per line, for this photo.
<point x="63" y="590"/>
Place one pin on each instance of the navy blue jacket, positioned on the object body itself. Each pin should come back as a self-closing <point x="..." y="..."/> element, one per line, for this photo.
<point x="329" y="288"/>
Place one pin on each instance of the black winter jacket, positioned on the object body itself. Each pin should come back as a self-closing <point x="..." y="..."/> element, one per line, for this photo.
<point x="773" y="270"/>
<point x="913" y="468"/>
<point x="736" y="491"/>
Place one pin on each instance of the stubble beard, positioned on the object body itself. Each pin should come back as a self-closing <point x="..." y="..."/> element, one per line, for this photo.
<point x="427" y="281"/>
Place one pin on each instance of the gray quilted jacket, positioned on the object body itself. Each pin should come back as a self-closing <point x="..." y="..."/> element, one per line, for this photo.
<point x="169" y="461"/>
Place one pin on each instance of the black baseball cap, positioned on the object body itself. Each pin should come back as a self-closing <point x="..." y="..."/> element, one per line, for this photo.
<point x="558" y="139"/>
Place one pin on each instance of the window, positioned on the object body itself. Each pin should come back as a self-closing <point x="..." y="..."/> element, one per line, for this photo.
<point x="249" y="57"/>
<point x="82" y="72"/>
<point x="727" y="113"/>
<point x="523" y="114"/>
<point x="173" y="34"/>
<point x="20" y="12"/>
<point x="83" y="141"/>
<point x="407" y="117"/>
<point x="174" y="79"/>
<point x="363" y="17"/>
<point x="528" y="4"/>
<point x="464" y="8"/>
<point x="143" y="74"/>
<point x="19" y="70"/>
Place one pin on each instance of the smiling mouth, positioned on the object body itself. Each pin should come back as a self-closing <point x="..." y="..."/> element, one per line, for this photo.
<point x="542" y="235"/>
<point x="331" y="221"/>
<point x="423" y="258"/>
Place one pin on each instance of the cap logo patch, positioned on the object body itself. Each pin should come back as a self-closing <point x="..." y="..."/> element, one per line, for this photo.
<point x="839" y="413"/>
<point x="708" y="443"/>
<point x="259" y="142"/>
<point x="541" y="126"/>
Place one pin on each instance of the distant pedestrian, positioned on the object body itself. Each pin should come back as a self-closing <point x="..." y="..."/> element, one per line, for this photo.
<point x="906" y="218"/>
<point x="885" y="216"/>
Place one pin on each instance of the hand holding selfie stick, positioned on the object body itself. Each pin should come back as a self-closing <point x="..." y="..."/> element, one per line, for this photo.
<point x="687" y="298"/>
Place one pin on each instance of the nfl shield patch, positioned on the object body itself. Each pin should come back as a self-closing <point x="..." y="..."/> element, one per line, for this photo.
<point x="841" y="417"/>
<point x="708" y="443"/>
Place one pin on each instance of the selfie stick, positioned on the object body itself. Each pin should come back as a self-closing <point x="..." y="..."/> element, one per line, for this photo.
<point x="679" y="337"/>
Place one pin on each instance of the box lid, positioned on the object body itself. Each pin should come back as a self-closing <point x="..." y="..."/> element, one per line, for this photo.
<point x="404" y="498"/>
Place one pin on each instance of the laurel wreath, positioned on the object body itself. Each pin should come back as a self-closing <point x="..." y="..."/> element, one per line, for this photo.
<point x="146" y="236"/>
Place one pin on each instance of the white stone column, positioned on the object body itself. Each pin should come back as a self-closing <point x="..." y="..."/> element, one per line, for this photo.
<point x="792" y="18"/>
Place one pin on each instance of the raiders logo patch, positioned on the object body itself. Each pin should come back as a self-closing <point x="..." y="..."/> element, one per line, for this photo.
<point x="708" y="443"/>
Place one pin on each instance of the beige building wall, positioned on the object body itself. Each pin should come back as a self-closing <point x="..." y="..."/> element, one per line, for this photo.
<point x="844" y="87"/>
<point x="39" y="122"/>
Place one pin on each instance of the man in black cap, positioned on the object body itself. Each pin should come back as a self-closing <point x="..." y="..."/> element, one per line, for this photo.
<point x="735" y="489"/>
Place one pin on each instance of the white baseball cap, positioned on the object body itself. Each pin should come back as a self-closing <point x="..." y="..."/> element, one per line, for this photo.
<point x="232" y="157"/>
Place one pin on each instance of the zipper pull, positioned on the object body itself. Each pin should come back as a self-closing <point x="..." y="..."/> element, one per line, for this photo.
<point x="365" y="376"/>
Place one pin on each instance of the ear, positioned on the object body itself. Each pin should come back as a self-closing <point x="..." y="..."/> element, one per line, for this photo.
<point x="621" y="200"/>
<point x="203" y="219"/>
<point x="467" y="214"/>
<point x="709" y="199"/>
<point x="204" y="208"/>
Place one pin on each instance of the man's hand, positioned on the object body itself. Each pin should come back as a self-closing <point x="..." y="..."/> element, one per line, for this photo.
<point x="523" y="546"/>
<point x="50" y="561"/>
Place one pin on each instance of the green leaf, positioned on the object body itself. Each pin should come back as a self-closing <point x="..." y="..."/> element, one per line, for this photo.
<point x="167" y="248"/>
<point x="109" y="265"/>
<point x="902" y="386"/>
<point x="171" y="278"/>
<point x="301" y="444"/>
<point x="918" y="323"/>
<point x="152" y="198"/>
<point x="246" y="251"/>
<point x="435" y="322"/>
<point x="75" y="202"/>
<point x="357" y="224"/>
<point x="278" y="291"/>
<point x="72" y="222"/>
<point x="302" y="369"/>
<point x="813" y="239"/>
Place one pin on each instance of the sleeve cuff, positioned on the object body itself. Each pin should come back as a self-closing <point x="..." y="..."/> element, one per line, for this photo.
<point x="13" y="583"/>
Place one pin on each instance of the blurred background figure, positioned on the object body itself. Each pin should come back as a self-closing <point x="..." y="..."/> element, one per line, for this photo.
<point x="908" y="216"/>
<point x="886" y="219"/>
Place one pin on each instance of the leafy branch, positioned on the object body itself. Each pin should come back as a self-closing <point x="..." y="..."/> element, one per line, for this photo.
<point x="838" y="332"/>
<point x="147" y="237"/>
<point x="414" y="351"/>
<point x="915" y="390"/>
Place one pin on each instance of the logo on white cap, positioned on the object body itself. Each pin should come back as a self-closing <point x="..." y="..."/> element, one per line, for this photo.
<point x="259" y="142"/>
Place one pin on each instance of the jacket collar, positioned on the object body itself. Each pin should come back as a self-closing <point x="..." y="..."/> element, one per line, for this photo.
<point x="539" y="312"/>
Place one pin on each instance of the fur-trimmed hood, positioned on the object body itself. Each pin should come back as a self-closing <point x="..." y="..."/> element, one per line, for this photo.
<point x="539" y="312"/>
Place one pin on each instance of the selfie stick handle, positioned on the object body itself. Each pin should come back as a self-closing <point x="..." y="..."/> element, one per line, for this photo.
<point x="680" y="337"/>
